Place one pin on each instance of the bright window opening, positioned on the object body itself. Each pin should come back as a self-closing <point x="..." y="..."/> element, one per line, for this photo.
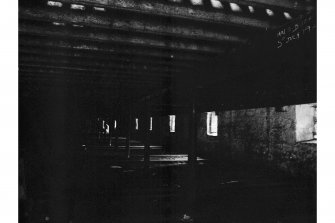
<point x="212" y="124"/>
<point x="115" y="124"/>
<point x="172" y="123"/>
<point x="150" y="124"/>
<point x="136" y="123"/>
<point x="305" y="122"/>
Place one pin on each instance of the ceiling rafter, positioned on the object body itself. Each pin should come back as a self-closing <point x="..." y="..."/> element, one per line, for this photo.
<point x="86" y="64"/>
<point x="126" y="24"/>
<point x="92" y="46"/>
<point x="108" y="73"/>
<point x="179" y="11"/>
<point x="151" y="61"/>
<point x="118" y="38"/>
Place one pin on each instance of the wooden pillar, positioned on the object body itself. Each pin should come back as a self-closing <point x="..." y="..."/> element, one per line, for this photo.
<point x="62" y="143"/>
<point x="193" y="135"/>
<point x="190" y="190"/>
<point x="128" y="133"/>
<point x="146" y="136"/>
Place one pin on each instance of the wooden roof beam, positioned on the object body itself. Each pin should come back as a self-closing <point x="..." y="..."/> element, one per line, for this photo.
<point x="180" y="11"/>
<point x="127" y="24"/>
<point x="86" y="46"/>
<point x="282" y="4"/>
<point x="98" y="73"/>
<point x="137" y="60"/>
<point x="118" y="38"/>
<point x="86" y="64"/>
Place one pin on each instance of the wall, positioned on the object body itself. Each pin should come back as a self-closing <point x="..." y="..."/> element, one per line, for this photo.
<point x="268" y="134"/>
<point x="262" y="134"/>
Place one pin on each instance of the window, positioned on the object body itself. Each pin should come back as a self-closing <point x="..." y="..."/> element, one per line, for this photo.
<point x="136" y="123"/>
<point x="150" y="124"/>
<point x="172" y="123"/>
<point x="305" y="122"/>
<point x="212" y="124"/>
<point x="115" y="124"/>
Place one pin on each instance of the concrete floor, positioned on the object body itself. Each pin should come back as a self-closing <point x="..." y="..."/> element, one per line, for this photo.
<point x="218" y="193"/>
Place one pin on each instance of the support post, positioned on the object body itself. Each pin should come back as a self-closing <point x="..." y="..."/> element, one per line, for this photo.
<point x="193" y="135"/>
<point x="146" y="136"/>
<point x="190" y="190"/>
<point x="128" y="134"/>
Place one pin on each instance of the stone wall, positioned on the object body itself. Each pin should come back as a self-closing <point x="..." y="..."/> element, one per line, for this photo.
<point x="268" y="134"/>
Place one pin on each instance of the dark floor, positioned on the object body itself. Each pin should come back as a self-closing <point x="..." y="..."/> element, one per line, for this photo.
<point x="107" y="189"/>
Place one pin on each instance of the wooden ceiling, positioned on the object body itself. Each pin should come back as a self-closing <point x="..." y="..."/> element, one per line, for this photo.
<point x="113" y="51"/>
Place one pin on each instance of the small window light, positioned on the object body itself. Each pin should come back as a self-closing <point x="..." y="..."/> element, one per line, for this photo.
<point x="306" y="122"/>
<point x="235" y="7"/>
<point x="172" y="123"/>
<point x="115" y="124"/>
<point x="77" y="7"/>
<point x="212" y="124"/>
<point x="196" y="2"/>
<point x="178" y="1"/>
<point x="100" y="9"/>
<point x="269" y="12"/>
<point x="136" y="123"/>
<point x="287" y="15"/>
<point x="251" y="9"/>
<point x="58" y="23"/>
<point x="107" y="129"/>
<point x="217" y="4"/>
<point x="54" y="4"/>
<point x="150" y="124"/>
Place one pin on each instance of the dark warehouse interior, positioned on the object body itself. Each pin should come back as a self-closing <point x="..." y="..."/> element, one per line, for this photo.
<point x="167" y="111"/>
